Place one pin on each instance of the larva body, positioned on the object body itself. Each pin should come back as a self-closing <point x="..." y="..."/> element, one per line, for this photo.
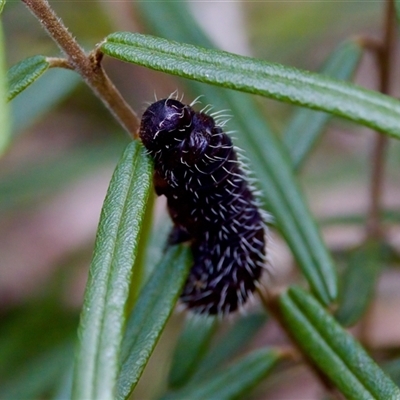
<point x="210" y="203"/>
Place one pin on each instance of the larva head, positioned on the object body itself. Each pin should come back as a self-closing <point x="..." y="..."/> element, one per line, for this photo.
<point x="169" y="127"/>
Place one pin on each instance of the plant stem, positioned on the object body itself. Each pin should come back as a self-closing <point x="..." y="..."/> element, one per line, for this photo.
<point x="87" y="66"/>
<point x="56" y="62"/>
<point x="385" y="60"/>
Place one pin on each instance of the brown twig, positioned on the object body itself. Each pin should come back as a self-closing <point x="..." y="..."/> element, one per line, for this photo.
<point x="87" y="66"/>
<point x="384" y="54"/>
<point x="57" y="62"/>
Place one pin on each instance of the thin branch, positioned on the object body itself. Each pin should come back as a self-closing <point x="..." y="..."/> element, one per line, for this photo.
<point x="87" y="66"/>
<point x="369" y="43"/>
<point x="385" y="57"/>
<point x="57" y="62"/>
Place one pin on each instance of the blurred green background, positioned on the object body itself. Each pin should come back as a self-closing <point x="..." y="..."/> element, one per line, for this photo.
<point x="54" y="176"/>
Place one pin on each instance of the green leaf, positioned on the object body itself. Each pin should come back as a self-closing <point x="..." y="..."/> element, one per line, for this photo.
<point x="23" y="74"/>
<point x="156" y="246"/>
<point x="52" y="88"/>
<point x="32" y="330"/>
<point x="4" y="112"/>
<point x="39" y="375"/>
<point x="191" y="347"/>
<point x="390" y="216"/>
<point x="2" y="4"/>
<point x="362" y="273"/>
<point x="103" y="314"/>
<point x="392" y="368"/>
<point x="233" y="382"/>
<point x="397" y="6"/>
<point x="64" y="388"/>
<point x="229" y="345"/>
<point x="306" y="125"/>
<point x="33" y="182"/>
<point x="334" y="350"/>
<point x="181" y="24"/>
<point x="208" y="362"/>
<point x="267" y="156"/>
<point x="150" y="314"/>
<point x="284" y="201"/>
<point x="140" y="262"/>
<point x="246" y="74"/>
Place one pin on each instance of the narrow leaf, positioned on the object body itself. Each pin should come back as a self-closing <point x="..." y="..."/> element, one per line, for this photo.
<point x="306" y="125"/>
<point x="156" y="246"/>
<point x="48" y="91"/>
<point x="229" y="345"/>
<point x="246" y="74"/>
<point x="267" y="156"/>
<point x="397" y="6"/>
<point x="64" y="389"/>
<point x="32" y="329"/>
<point x="103" y="317"/>
<point x="39" y="376"/>
<point x="233" y="382"/>
<point x="334" y="350"/>
<point x="2" y="4"/>
<point x="362" y="273"/>
<point x="392" y="368"/>
<point x="191" y="347"/>
<point x="150" y="314"/>
<point x="23" y="74"/>
<point x="284" y="200"/>
<point x="32" y="182"/>
<point x="140" y="262"/>
<point x="390" y="216"/>
<point x="4" y="111"/>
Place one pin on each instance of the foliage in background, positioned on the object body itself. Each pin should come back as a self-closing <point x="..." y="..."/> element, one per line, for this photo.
<point x="120" y="325"/>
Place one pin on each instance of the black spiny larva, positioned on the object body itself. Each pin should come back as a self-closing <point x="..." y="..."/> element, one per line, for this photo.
<point x="210" y="203"/>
